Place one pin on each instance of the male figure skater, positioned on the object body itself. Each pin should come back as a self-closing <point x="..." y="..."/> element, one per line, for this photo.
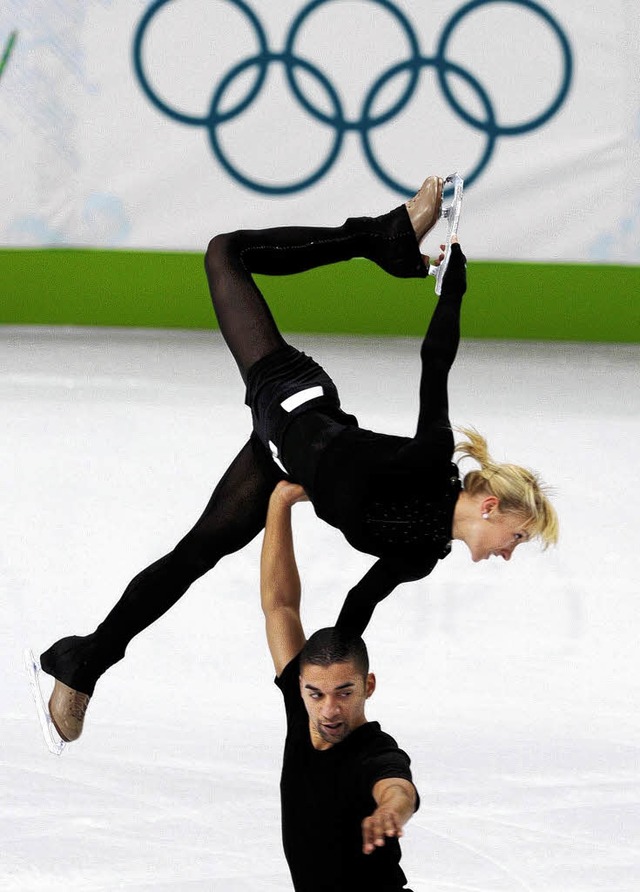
<point x="346" y="788"/>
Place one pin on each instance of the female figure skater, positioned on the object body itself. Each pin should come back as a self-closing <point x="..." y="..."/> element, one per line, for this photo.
<point x="397" y="498"/>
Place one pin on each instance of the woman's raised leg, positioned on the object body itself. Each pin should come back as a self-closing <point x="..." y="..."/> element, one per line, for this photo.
<point x="391" y="241"/>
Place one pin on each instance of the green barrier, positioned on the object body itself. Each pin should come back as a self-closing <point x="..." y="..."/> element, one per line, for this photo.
<point x="577" y="302"/>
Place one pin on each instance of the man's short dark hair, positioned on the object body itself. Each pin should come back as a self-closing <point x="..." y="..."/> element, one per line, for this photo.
<point x="330" y="645"/>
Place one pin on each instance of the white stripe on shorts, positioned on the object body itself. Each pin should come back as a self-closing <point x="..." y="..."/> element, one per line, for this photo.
<point x="301" y="397"/>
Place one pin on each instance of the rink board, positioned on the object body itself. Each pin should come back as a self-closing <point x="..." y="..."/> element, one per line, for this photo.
<point x="579" y="302"/>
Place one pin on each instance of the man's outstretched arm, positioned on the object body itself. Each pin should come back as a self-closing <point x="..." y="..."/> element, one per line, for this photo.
<point x="279" y="578"/>
<point x="396" y="799"/>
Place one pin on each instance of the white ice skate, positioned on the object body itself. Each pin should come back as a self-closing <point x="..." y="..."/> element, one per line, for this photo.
<point x="55" y="744"/>
<point x="452" y="215"/>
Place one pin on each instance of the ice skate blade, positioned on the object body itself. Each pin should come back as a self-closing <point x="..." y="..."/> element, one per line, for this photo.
<point x="452" y="215"/>
<point x="55" y="744"/>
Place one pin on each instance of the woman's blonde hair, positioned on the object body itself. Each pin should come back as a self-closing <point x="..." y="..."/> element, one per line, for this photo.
<point x="518" y="490"/>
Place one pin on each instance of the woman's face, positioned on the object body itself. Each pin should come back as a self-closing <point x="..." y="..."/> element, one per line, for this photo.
<point x="497" y="535"/>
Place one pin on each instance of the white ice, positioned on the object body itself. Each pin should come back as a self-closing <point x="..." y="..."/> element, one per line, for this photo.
<point x="514" y="687"/>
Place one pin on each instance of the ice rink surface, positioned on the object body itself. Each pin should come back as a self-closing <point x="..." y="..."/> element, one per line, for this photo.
<point x="514" y="687"/>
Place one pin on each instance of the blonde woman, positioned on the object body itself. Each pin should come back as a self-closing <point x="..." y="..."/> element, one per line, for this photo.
<point x="397" y="498"/>
<point x="497" y="507"/>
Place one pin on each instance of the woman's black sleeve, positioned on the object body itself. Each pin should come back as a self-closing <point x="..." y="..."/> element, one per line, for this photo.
<point x="375" y="585"/>
<point x="440" y="345"/>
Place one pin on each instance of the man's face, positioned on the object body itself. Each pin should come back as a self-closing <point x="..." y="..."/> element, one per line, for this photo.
<point x="334" y="697"/>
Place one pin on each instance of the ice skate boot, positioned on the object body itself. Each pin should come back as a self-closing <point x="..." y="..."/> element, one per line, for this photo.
<point x="452" y="215"/>
<point x="67" y="709"/>
<point x="75" y="664"/>
<point x="425" y="207"/>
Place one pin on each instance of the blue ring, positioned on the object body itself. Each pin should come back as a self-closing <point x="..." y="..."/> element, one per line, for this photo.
<point x="358" y="124"/>
<point x="515" y="129"/>
<point x="152" y="96"/>
<point x="438" y="63"/>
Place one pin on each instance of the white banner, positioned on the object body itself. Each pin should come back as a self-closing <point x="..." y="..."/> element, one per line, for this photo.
<point x="157" y="124"/>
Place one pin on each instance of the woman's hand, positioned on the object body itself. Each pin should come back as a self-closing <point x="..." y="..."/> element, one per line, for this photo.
<point x="427" y="261"/>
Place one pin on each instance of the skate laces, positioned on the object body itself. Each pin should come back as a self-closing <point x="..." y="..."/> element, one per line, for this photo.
<point x="77" y="704"/>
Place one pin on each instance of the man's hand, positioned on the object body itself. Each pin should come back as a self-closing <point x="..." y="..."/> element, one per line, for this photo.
<point x="383" y="824"/>
<point x="287" y="494"/>
<point x="396" y="798"/>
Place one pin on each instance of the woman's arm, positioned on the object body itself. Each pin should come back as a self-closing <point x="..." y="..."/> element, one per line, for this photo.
<point x="375" y="585"/>
<point x="440" y="345"/>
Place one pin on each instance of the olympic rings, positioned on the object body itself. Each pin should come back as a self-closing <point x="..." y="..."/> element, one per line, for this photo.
<point x="411" y="67"/>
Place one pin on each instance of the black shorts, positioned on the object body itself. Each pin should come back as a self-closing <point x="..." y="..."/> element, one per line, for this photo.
<point x="281" y="388"/>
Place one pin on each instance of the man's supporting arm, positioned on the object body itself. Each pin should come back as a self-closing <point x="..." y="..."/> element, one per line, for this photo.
<point x="396" y="800"/>
<point x="279" y="578"/>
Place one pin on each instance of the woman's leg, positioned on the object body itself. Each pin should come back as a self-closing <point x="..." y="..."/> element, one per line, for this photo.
<point x="243" y="315"/>
<point x="234" y="515"/>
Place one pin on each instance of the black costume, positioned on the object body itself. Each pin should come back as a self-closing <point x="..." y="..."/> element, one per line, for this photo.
<point x="393" y="497"/>
<point x="325" y="796"/>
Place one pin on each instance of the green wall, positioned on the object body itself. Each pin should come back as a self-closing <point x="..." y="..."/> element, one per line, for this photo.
<point x="62" y="286"/>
